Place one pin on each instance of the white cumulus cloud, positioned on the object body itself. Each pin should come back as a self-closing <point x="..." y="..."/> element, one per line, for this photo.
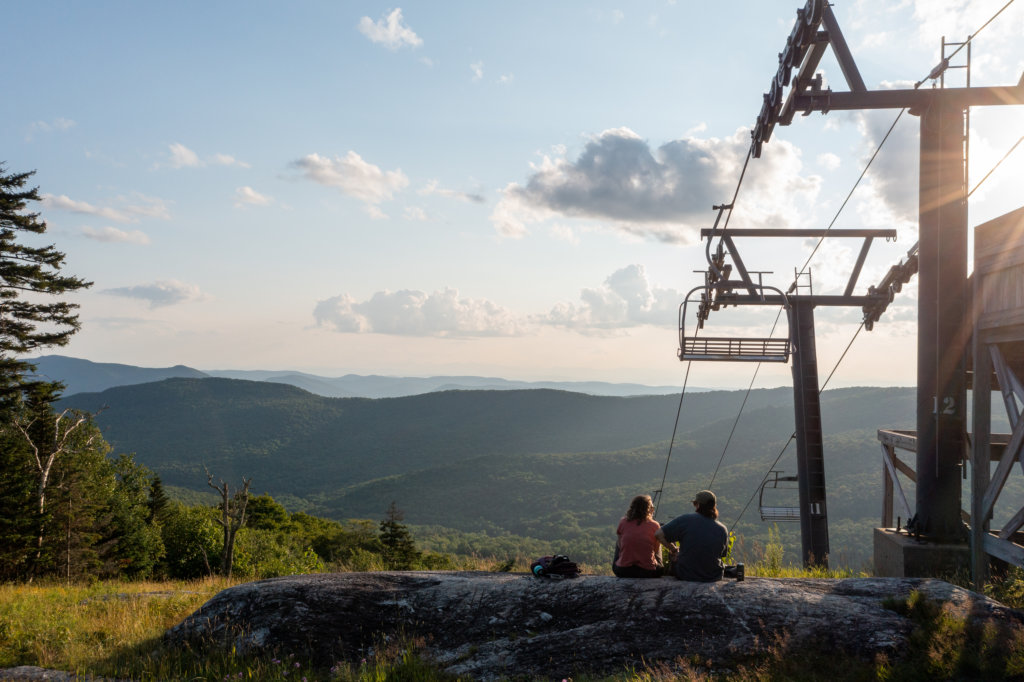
<point x="183" y="157"/>
<point x="664" y="193"/>
<point x="160" y="294"/>
<point x="129" y="211"/>
<point x="112" y="234"/>
<point x="416" y="313"/>
<point x="248" y="196"/>
<point x="625" y="299"/>
<point x="434" y="188"/>
<point x="389" y="31"/>
<point x="353" y="176"/>
<point x="57" y="125"/>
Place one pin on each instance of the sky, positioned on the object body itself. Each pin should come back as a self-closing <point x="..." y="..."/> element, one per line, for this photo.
<point x="468" y="188"/>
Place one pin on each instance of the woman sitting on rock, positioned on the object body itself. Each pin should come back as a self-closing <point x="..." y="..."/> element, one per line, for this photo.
<point x="637" y="550"/>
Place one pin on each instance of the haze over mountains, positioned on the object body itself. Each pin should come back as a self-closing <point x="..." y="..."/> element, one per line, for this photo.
<point x="84" y="376"/>
<point x="513" y="471"/>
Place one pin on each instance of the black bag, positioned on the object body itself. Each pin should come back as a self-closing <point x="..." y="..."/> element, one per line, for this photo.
<point x="557" y="566"/>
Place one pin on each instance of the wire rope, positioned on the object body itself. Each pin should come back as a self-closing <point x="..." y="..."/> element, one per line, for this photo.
<point x="679" y="411"/>
<point x="792" y="436"/>
<point x="933" y="74"/>
<point x="998" y="163"/>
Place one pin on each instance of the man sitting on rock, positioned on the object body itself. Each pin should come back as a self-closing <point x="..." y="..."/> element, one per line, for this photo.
<point x="703" y="540"/>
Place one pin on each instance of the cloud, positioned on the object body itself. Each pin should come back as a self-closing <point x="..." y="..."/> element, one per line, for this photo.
<point x="248" y="196"/>
<point x="149" y="207"/>
<point x="414" y="213"/>
<point x="57" y="125"/>
<point x="829" y="161"/>
<point x="389" y="31"/>
<point x="353" y="176"/>
<point x="63" y="202"/>
<point x="227" y="160"/>
<point x="506" y="78"/>
<point x="893" y="176"/>
<point x="112" y="234"/>
<point x="664" y="193"/>
<point x="160" y="294"/>
<point x="626" y="299"/>
<point x="183" y="157"/>
<point x="415" y="313"/>
<point x="433" y="187"/>
<point x="478" y="70"/>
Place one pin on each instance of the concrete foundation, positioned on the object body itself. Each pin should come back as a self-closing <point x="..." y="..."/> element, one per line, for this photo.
<point x="898" y="555"/>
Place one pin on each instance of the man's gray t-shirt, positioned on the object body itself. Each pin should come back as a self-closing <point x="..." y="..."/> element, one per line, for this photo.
<point x="702" y="544"/>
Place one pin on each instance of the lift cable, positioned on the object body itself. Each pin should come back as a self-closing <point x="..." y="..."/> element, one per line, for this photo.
<point x="944" y="64"/>
<point x="679" y="411"/>
<point x="1005" y="156"/>
<point x="778" y="316"/>
<point x="935" y="73"/>
<point x="736" y="421"/>
<point x="792" y="436"/>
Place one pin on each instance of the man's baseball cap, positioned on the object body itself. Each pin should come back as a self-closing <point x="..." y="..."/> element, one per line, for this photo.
<point x="705" y="497"/>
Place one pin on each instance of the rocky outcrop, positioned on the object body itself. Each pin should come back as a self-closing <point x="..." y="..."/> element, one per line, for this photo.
<point x="489" y="625"/>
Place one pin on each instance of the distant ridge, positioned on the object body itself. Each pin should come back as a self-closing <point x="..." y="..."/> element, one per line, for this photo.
<point x="85" y="376"/>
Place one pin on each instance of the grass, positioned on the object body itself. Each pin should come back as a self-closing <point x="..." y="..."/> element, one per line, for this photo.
<point x="77" y="627"/>
<point x="113" y="629"/>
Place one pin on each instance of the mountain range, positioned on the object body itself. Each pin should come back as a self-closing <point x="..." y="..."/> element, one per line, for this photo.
<point x="85" y="376"/>
<point x="515" y="471"/>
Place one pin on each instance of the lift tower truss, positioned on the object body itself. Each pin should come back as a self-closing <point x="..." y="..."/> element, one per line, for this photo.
<point x="943" y="320"/>
<point x="720" y="291"/>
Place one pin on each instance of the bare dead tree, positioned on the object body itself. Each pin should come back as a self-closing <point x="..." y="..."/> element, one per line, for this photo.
<point x="45" y="455"/>
<point x="232" y="517"/>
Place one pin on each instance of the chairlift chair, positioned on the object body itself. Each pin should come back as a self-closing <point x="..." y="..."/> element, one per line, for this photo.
<point x="725" y="348"/>
<point x="776" y="512"/>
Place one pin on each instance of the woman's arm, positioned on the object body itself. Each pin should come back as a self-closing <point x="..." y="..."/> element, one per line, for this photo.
<point x="660" y="536"/>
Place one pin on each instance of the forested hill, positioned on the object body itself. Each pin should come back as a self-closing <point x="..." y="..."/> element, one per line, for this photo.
<point x="501" y="471"/>
<point x="305" y="444"/>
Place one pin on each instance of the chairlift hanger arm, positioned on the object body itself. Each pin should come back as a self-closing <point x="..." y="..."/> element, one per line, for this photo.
<point x="861" y="257"/>
<point x="741" y="269"/>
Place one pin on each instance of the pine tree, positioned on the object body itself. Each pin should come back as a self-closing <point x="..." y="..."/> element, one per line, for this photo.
<point x="32" y="316"/>
<point x="397" y="546"/>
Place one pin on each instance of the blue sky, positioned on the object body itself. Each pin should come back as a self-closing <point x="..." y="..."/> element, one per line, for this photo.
<point x="503" y="189"/>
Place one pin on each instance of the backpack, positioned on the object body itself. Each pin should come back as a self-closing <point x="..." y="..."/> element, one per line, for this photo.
<point x="557" y="566"/>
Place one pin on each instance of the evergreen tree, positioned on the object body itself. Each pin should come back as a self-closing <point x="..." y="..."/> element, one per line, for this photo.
<point x="158" y="501"/>
<point x="17" y="509"/>
<point x="397" y="546"/>
<point x="31" y="314"/>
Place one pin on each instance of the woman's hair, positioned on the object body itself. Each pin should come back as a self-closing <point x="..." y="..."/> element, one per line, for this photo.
<point x="708" y="509"/>
<point x="640" y="509"/>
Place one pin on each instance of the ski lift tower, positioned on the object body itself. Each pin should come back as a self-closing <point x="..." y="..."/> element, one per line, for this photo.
<point x="944" y="329"/>
<point x="728" y="282"/>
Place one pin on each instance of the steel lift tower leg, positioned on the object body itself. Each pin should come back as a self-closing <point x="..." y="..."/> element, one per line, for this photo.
<point x="810" y="455"/>
<point x="943" y="324"/>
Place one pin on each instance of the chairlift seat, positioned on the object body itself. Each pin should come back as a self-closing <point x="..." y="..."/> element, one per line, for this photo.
<point x="777" y="512"/>
<point x="780" y="513"/>
<point x="734" y="349"/>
